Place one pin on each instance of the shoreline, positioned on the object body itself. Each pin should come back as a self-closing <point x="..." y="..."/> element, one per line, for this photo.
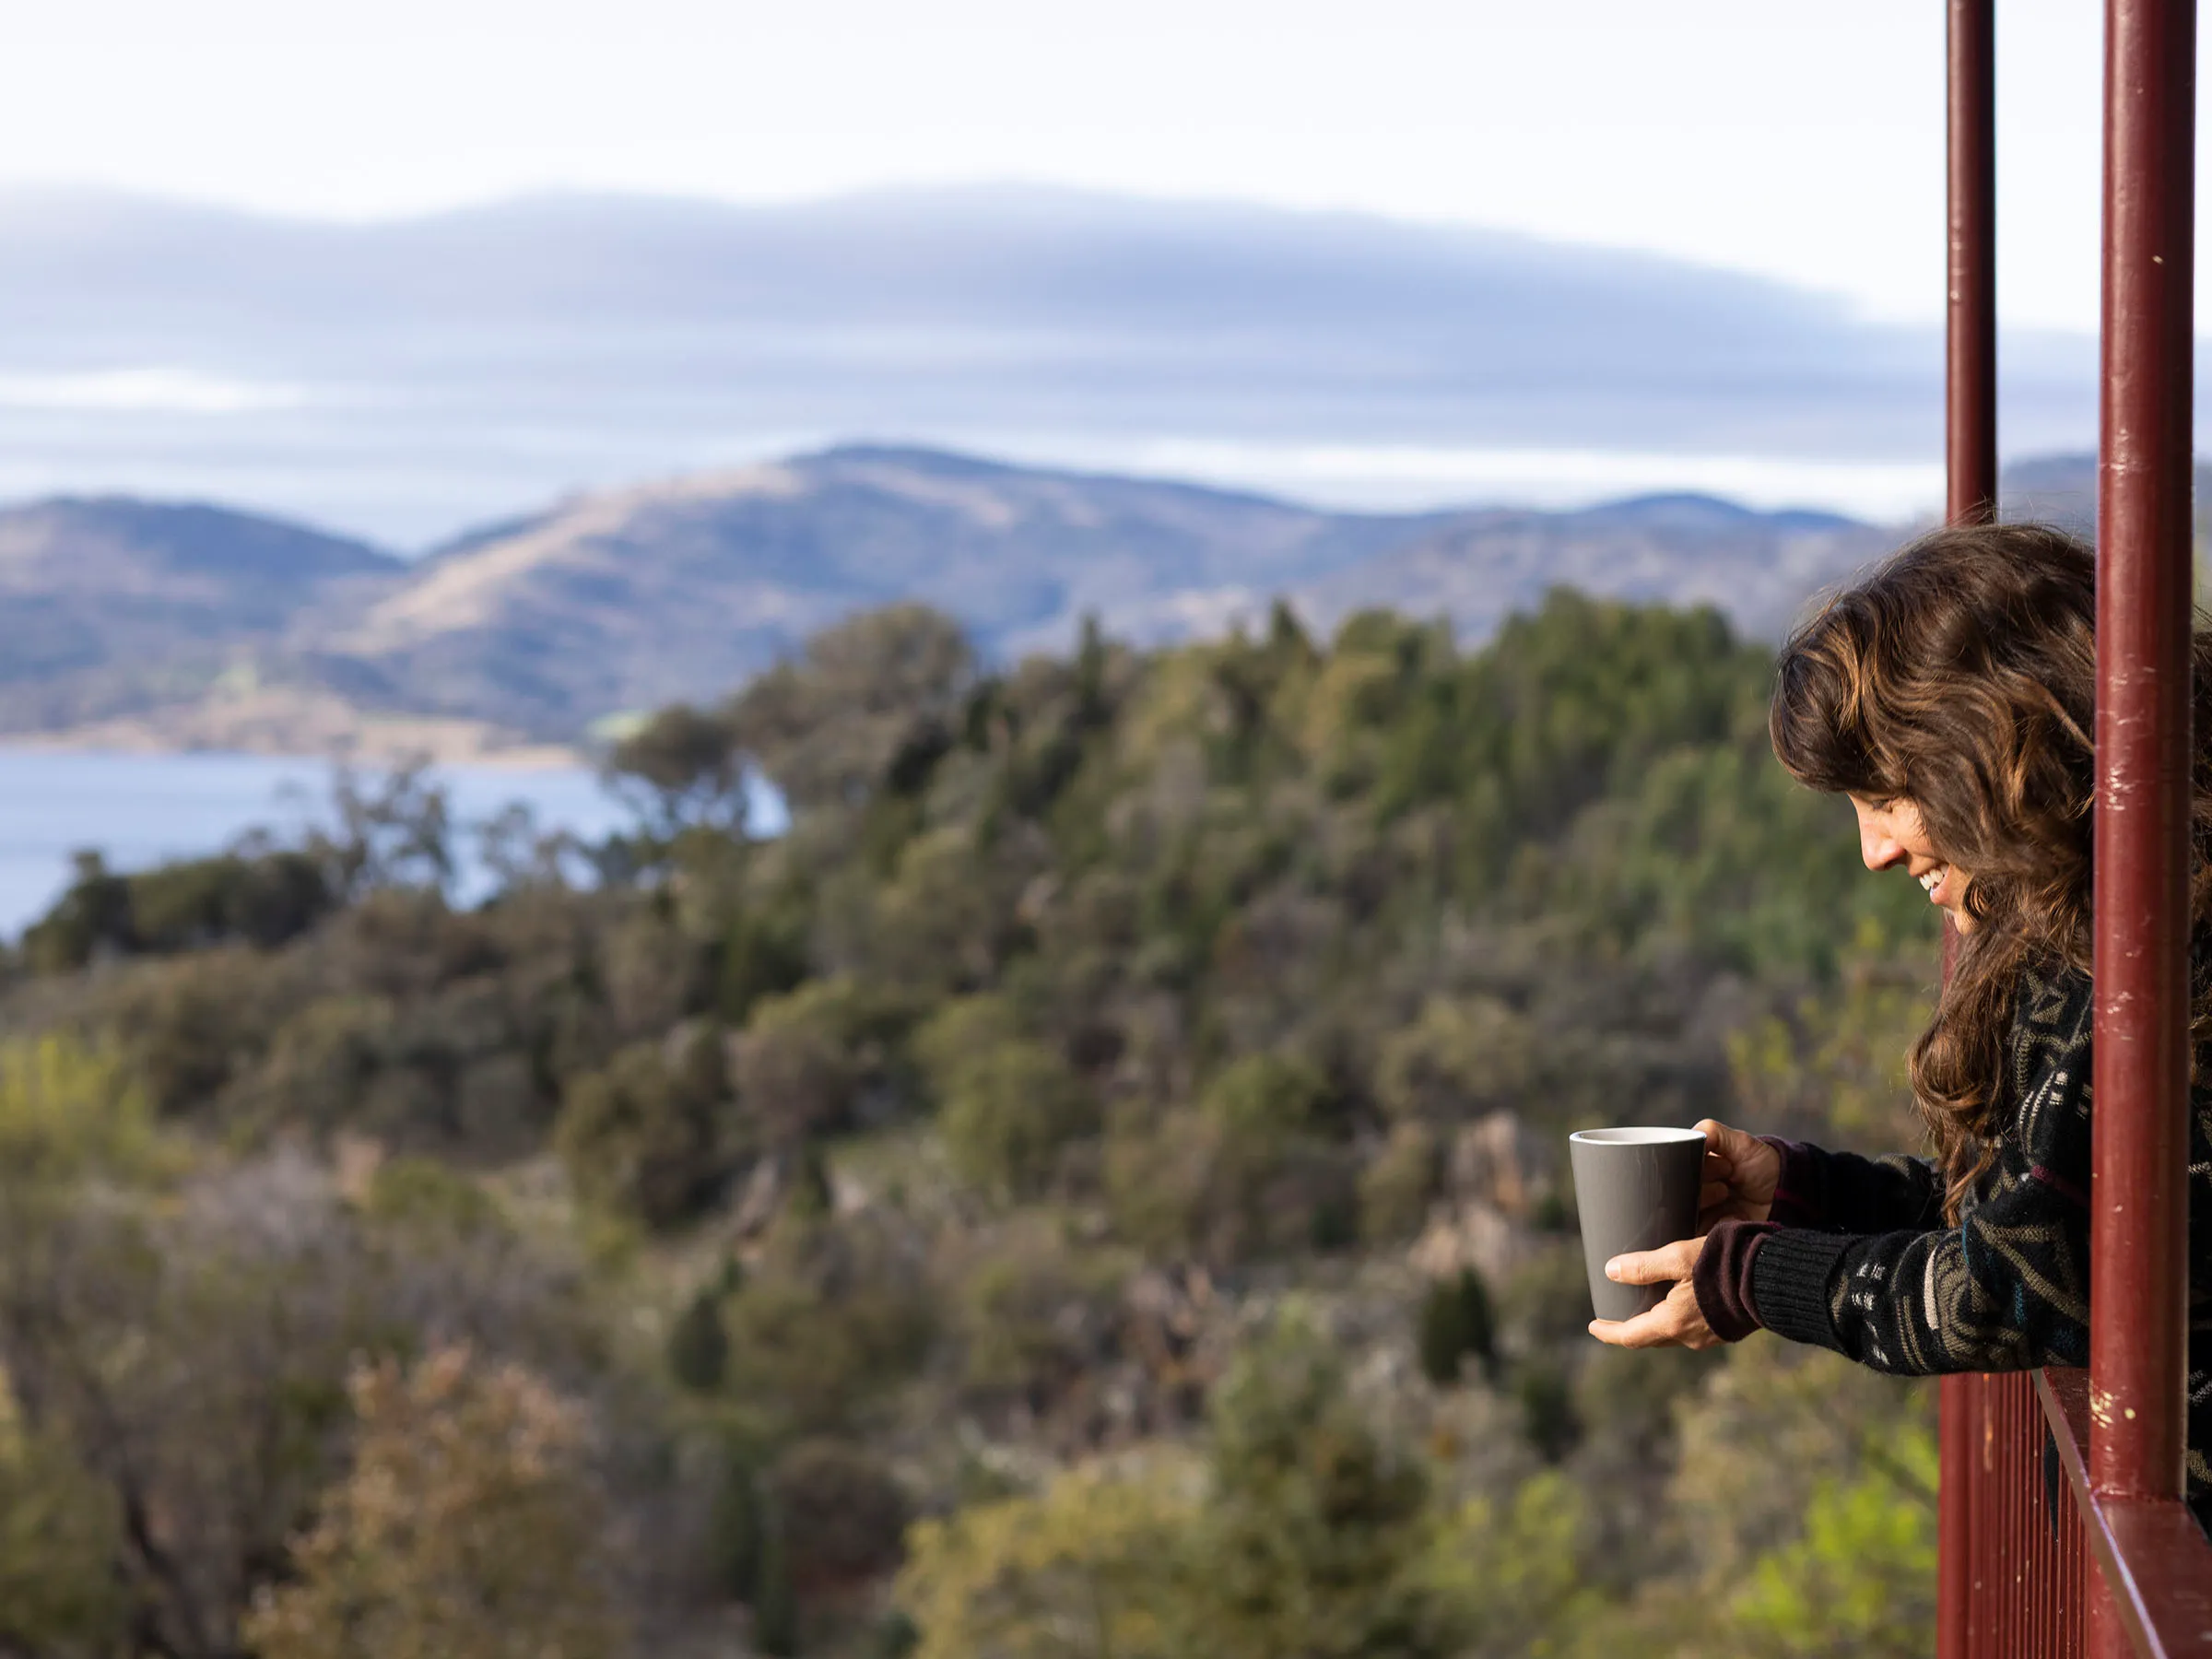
<point x="378" y="757"/>
<point x="142" y="807"/>
<point x="292" y="723"/>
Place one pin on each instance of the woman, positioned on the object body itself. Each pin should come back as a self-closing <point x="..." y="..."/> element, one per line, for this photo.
<point x="1950" y="695"/>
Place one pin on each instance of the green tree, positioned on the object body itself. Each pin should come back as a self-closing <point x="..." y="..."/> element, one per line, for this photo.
<point x="871" y="695"/>
<point x="1459" y="1058"/>
<point x="1859" y="1580"/>
<point x="93" y="914"/>
<point x="651" y="1134"/>
<point x="1834" y="1067"/>
<point x="737" y="1527"/>
<point x="61" y="1535"/>
<point x="1513" y="1575"/>
<point x="1312" y="1541"/>
<point x="1007" y="1103"/>
<point x="840" y="1514"/>
<point x="805" y="1058"/>
<point x="469" y="1524"/>
<point x="684" y="767"/>
<point x="1269" y="1096"/>
<point x="834" y="1314"/>
<point x="1007" y="1114"/>
<point x="1548" y="1415"/>
<point x="1456" y="1325"/>
<point x="1835" y="1556"/>
<point x="698" y="1344"/>
<point x="775" y="1600"/>
<point x="1395" y="1189"/>
<point x="1035" y="1312"/>
<point x="1092" y="1567"/>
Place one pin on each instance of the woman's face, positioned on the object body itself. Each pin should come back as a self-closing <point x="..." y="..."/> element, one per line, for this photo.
<point x="1890" y="834"/>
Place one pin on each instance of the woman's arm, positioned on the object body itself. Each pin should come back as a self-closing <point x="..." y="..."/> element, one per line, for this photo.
<point x="2006" y="1290"/>
<point x="1765" y="1178"/>
<point x="1843" y="1192"/>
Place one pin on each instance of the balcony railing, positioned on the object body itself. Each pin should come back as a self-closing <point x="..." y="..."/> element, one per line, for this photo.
<point x="2021" y="1549"/>
<point x="2063" y="1530"/>
<point x="2025" y="1531"/>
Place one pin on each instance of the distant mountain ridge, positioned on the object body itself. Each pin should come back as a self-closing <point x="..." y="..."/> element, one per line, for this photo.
<point x="108" y="604"/>
<point x="633" y="597"/>
<point x="194" y="625"/>
<point x="1478" y="567"/>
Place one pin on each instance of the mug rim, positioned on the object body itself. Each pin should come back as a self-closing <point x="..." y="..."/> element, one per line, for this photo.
<point x="1635" y="1135"/>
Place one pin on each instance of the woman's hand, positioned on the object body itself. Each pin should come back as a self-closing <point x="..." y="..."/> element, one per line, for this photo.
<point x="1675" y="1322"/>
<point x="1741" y="1173"/>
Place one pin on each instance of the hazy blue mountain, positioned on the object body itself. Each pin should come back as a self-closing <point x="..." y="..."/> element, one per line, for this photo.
<point x="410" y="377"/>
<point x="2062" y="490"/>
<point x="2059" y="489"/>
<point x="627" y="599"/>
<point x="679" y="589"/>
<point x="1477" y="568"/>
<point x="198" y="627"/>
<point x="111" y="605"/>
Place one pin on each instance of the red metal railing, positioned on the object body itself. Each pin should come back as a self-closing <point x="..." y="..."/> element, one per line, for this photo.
<point x="1969" y="443"/>
<point x="1969" y="424"/>
<point x="2062" y="1529"/>
<point x="2027" y="1564"/>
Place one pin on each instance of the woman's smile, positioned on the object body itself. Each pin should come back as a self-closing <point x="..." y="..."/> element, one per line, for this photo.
<point x="1891" y="834"/>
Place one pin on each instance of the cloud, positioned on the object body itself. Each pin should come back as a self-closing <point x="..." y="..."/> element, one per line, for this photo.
<point x="403" y="377"/>
<point x="142" y="392"/>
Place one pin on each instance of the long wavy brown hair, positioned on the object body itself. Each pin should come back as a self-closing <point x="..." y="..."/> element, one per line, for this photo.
<point x="1961" y="675"/>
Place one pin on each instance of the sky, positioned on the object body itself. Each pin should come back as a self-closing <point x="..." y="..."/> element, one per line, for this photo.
<point x="1797" y="141"/>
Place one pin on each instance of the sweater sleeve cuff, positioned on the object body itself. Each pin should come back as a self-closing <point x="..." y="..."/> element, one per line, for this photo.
<point x="1723" y="1278"/>
<point x="1790" y="1275"/>
<point x="1798" y="1192"/>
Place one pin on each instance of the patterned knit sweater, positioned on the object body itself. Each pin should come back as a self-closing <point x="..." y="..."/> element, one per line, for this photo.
<point x="1855" y="1257"/>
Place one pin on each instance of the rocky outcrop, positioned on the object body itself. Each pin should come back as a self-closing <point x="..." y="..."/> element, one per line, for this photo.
<point x="1500" y="1178"/>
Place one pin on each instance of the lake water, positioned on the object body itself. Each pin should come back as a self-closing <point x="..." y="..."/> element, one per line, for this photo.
<point x="140" y="809"/>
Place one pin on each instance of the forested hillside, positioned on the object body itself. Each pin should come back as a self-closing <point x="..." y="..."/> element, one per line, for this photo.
<point x="1092" y="1187"/>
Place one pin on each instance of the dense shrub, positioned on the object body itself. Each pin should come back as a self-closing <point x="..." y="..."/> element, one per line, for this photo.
<point x="263" y="900"/>
<point x="1007" y="1113"/>
<point x="1455" y="1326"/>
<point x="840" y="1514"/>
<point x="698" y="1343"/>
<point x="651" y="1132"/>
<point x="1397" y="1187"/>
<point x="828" y="1319"/>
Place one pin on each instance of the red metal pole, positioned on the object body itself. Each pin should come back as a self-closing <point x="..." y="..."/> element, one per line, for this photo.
<point x="1969" y="427"/>
<point x="2139" y="1205"/>
<point x="1971" y="313"/>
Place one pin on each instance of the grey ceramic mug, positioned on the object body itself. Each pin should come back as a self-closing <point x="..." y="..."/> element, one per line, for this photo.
<point x="1634" y="1189"/>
